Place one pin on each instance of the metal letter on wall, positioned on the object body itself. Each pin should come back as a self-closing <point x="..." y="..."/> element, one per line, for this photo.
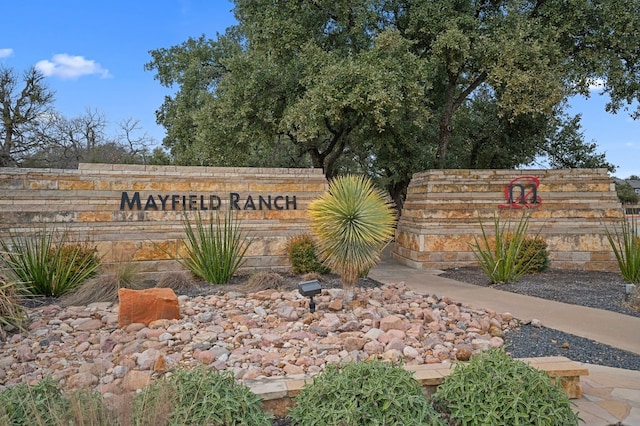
<point x="522" y="193"/>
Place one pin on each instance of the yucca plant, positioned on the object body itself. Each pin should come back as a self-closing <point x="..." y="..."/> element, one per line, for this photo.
<point x="47" y="263"/>
<point x="625" y="243"/>
<point x="214" y="249"/>
<point x="499" y="256"/>
<point x="352" y="222"/>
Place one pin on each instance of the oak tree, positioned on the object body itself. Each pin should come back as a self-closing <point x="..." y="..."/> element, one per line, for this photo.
<point x="24" y="102"/>
<point x="391" y="87"/>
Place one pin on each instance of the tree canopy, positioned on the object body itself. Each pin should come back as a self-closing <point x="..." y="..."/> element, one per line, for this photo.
<point x="391" y="87"/>
<point x="625" y="193"/>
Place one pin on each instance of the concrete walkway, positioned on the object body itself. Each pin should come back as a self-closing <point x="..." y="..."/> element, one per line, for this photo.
<point x="610" y="395"/>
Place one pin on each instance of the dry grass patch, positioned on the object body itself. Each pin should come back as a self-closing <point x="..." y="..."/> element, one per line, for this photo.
<point x="104" y="288"/>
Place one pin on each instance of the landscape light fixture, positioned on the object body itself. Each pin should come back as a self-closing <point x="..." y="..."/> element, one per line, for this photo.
<point x="628" y="290"/>
<point x="310" y="289"/>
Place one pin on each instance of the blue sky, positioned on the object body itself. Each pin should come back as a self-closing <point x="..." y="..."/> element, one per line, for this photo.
<point x="93" y="53"/>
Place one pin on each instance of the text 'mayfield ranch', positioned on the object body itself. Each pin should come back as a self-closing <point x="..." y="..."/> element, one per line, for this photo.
<point x="205" y="202"/>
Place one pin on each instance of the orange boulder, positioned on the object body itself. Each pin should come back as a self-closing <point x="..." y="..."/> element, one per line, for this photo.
<point x="144" y="306"/>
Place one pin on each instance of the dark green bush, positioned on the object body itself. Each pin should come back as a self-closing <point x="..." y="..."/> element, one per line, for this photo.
<point x="494" y="389"/>
<point x="198" y="397"/>
<point x="303" y="255"/>
<point x="364" y="393"/>
<point x="78" y="256"/>
<point x="534" y="254"/>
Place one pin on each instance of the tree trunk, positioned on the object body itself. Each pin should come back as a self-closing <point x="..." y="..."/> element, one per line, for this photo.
<point x="349" y="293"/>
<point x="452" y="103"/>
<point x="5" y="148"/>
<point x="444" y="131"/>
<point x="398" y="193"/>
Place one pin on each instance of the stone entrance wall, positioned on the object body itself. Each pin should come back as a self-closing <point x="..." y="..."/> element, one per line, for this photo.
<point x="570" y="208"/>
<point x="135" y="213"/>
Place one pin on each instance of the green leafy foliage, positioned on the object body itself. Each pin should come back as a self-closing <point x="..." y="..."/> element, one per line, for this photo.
<point x="494" y="389"/>
<point x="47" y="263"/>
<point x="533" y="254"/>
<point x="391" y="87"/>
<point x="45" y="404"/>
<point x="353" y="223"/>
<point x="26" y="405"/>
<point x="198" y="397"/>
<point x="364" y="393"/>
<point x="216" y="248"/>
<point x="11" y="313"/>
<point x="625" y="243"/>
<point x="303" y="256"/>
<point x="497" y="254"/>
<point x="626" y="193"/>
<point x="79" y="258"/>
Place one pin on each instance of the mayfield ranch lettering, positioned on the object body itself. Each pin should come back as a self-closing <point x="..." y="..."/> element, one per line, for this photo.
<point x="168" y="202"/>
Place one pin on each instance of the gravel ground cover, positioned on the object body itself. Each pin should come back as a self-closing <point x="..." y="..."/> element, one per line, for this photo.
<point x="594" y="289"/>
<point x="601" y="290"/>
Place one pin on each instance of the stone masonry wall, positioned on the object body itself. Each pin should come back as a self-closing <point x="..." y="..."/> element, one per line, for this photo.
<point x="570" y="208"/>
<point x="145" y="226"/>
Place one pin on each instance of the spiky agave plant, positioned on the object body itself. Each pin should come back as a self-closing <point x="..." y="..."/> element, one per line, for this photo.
<point x="352" y="222"/>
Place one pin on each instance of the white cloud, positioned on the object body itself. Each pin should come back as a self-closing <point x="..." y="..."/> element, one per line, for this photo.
<point x="70" y="67"/>
<point x="5" y="53"/>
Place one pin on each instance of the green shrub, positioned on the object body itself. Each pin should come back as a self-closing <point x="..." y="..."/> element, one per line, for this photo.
<point x="78" y="257"/>
<point x="364" y="393"/>
<point x="303" y="256"/>
<point x="26" y="405"/>
<point x="87" y="408"/>
<point x="494" y="389"/>
<point x="44" y="403"/>
<point x="47" y="263"/>
<point x="215" y="250"/>
<point x="198" y="397"/>
<point x="12" y="315"/>
<point x="353" y="223"/>
<point x="626" y="247"/>
<point x="501" y="254"/>
<point x="533" y="254"/>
